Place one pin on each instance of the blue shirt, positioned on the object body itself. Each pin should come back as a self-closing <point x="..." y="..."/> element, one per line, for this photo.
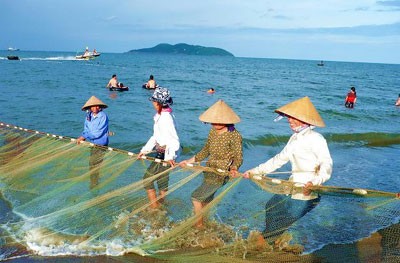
<point x="96" y="128"/>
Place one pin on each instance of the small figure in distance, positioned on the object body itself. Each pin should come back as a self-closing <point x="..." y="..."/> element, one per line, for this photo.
<point x="151" y="84"/>
<point x="113" y="83"/>
<point x="211" y="91"/>
<point x="398" y="101"/>
<point x="351" y="98"/>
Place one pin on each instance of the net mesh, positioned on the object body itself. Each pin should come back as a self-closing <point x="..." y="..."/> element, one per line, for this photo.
<point x="59" y="197"/>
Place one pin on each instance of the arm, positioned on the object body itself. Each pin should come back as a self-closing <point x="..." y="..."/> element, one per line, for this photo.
<point x="171" y="137"/>
<point x="272" y="164"/>
<point x="237" y="151"/>
<point x="325" y="162"/>
<point x="204" y="152"/>
<point x="149" y="146"/>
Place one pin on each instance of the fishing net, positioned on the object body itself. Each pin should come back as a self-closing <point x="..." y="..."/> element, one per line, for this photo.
<point x="63" y="198"/>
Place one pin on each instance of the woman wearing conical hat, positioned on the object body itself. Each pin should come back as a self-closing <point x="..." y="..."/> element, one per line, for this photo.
<point x="308" y="153"/>
<point x="96" y="131"/>
<point x="223" y="149"/>
<point x="96" y="122"/>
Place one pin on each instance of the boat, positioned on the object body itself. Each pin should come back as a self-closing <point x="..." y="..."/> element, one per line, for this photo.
<point x="321" y="63"/>
<point x="13" y="58"/>
<point x="88" y="55"/>
<point x="13" y="49"/>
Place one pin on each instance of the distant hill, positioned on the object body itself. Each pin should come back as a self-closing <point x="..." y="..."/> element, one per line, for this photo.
<point x="185" y="49"/>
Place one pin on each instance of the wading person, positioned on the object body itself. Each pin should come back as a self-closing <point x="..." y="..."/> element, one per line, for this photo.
<point x="351" y="98"/>
<point x="223" y="149"/>
<point x="95" y="130"/>
<point x="311" y="162"/>
<point x="113" y="82"/>
<point x="165" y="142"/>
<point x="151" y="83"/>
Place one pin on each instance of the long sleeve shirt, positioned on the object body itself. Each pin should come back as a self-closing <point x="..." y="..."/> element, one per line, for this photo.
<point x="165" y="135"/>
<point x="309" y="156"/>
<point x="224" y="151"/>
<point x="96" y="128"/>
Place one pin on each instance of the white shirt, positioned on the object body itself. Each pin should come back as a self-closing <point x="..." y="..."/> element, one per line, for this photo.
<point x="164" y="133"/>
<point x="306" y="151"/>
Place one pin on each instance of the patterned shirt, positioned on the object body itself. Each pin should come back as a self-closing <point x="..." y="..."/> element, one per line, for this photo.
<point x="224" y="151"/>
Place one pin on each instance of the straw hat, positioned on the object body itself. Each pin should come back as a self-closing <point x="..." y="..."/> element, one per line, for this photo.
<point x="303" y="110"/>
<point x="93" y="101"/>
<point x="220" y="112"/>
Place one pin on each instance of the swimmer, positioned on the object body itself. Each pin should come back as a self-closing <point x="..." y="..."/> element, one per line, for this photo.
<point x="398" y="101"/>
<point x="211" y="91"/>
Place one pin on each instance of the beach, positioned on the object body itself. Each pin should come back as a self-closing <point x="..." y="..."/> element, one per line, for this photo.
<point x="45" y="91"/>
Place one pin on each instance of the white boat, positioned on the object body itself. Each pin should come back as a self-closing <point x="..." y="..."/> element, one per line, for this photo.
<point x="88" y="55"/>
<point x="13" y="49"/>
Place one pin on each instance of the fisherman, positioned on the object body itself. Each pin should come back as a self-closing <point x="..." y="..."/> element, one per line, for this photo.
<point x="311" y="163"/>
<point x="223" y="149"/>
<point x="95" y="131"/>
<point x="165" y="142"/>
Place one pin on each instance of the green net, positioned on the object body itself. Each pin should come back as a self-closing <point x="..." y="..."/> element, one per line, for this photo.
<point x="61" y="198"/>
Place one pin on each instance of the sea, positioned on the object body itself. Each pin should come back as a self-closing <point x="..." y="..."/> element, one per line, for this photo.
<point x="45" y="91"/>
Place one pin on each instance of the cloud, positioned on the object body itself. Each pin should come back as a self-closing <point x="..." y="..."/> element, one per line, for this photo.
<point x="110" y="18"/>
<point x="389" y="3"/>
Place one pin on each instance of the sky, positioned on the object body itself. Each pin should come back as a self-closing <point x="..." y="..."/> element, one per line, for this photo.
<point x="329" y="30"/>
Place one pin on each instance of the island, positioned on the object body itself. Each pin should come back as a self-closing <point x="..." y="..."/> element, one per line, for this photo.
<point x="184" y="49"/>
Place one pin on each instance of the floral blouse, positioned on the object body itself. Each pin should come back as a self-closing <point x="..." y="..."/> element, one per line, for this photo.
<point x="224" y="151"/>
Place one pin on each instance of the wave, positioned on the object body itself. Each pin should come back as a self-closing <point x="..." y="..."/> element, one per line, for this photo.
<point x="369" y="139"/>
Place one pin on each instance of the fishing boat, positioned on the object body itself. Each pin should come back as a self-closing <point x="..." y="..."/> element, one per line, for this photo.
<point x="321" y="64"/>
<point x="13" y="49"/>
<point x="91" y="55"/>
<point x="13" y="58"/>
<point x="88" y="55"/>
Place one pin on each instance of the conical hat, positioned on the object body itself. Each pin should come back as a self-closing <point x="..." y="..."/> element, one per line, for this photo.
<point x="93" y="101"/>
<point x="220" y="112"/>
<point x="303" y="110"/>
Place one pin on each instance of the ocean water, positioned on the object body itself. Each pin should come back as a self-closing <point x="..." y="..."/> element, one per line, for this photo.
<point x="45" y="91"/>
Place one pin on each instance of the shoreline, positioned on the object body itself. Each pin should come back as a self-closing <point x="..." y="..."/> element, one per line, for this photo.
<point x="382" y="246"/>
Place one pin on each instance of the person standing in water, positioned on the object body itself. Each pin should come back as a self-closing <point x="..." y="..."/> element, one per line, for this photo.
<point x="113" y="83"/>
<point x="151" y="84"/>
<point x="95" y="131"/>
<point x="166" y="143"/>
<point x="351" y="98"/>
<point x="223" y="149"/>
<point x="308" y="153"/>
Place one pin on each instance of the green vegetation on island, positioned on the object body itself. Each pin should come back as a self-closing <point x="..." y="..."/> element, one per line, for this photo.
<point x="185" y="49"/>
